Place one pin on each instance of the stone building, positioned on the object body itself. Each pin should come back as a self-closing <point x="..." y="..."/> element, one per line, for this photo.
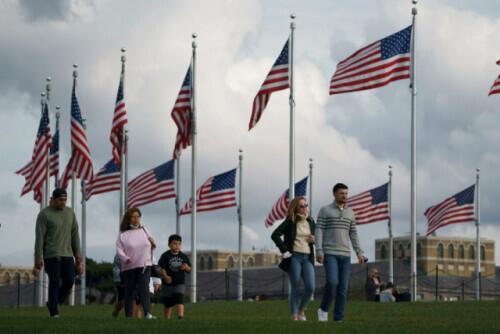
<point x="453" y="256"/>
<point x="223" y="259"/>
<point x="9" y="275"/>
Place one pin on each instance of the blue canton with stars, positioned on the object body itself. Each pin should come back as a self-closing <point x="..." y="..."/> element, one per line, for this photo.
<point x="300" y="188"/>
<point x="396" y="44"/>
<point x="43" y="128"/>
<point x="164" y="171"/>
<point x="379" y="194"/>
<point x="109" y="168"/>
<point x="75" y="108"/>
<point x="225" y="180"/>
<point x="465" y="196"/>
<point x="283" y="57"/>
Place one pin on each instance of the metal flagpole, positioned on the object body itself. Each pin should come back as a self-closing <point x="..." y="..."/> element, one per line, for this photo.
<point x="58" y="116"/>
<point x="291" y="183"/>
<point x="413" y="87"/>
<point x="46" y="187"/>
<point x="240" y="228"/>
<point x="177" y="195"/>
<point x="83" y="276"/>
<point x="41" y="279"/>
<point x="125" y="157"/>
<point x="478" y="240"/>
<point x="122" y="148"/>
<point x="389" y="225"/>
<point x="193" y="172"/>
<point x="310" y="186"/>
<point x="73" y="187"/>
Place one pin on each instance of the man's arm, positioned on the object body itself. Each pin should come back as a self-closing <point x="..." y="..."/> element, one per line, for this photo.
<point x="75" y="245"/>
<point x="40" y="230"/>
<point x="318" y="236"/>
<point x="353" y="235"/>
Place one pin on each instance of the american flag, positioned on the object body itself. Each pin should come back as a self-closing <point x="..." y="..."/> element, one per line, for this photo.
<point x="375" y="65"/>
<point x="26" y="173"/>
<point x="80" y="162"/>
<point x="39" y="162"/>
<point x="154" y="185"/>
<point x="181" y="114"/>
<point x="54" y="155"/>
<point x="280" y="208"/>
<point x="277" y="79"/>
<point x="458" y="208"/>
<point x="119" y="120"/>
<point x="371" y="206"/>
<point x="495" y="88"/>
<point x="217" y="192"/>
<point x="106" y="180"/>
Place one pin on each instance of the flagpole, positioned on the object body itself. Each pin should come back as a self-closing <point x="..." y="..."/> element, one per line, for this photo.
<point x="413" y="160"/>
<point x="122" y="148"/>
<point x="389" y="225"/>
<point x="240" y="228"/>
<point x="83" y="276"/>
<point x="46" y="184"/>
<point x="58" y="116"/>
<point x="478" y="240"/>
<point x="41" y="280"/>
<point x="125" y="184"/>
<point x="291" y="183"/>
<point x="177" y="195"/>
<point x="310" y="186"/>
<point x="193" y="171"/>
<point x="73" y="187"/>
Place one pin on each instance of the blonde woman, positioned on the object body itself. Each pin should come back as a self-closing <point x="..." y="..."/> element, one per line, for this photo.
<point x="297" y="231"/>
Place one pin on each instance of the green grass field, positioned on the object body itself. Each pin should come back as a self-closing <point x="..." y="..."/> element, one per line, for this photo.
<point x="264" y="317"/>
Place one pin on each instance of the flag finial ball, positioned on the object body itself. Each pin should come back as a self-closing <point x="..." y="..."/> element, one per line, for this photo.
<point x="49" y="79"/>
<point x="75" y="66"/>
<point x="194" y="35"/>
<point x="123" y="49"/>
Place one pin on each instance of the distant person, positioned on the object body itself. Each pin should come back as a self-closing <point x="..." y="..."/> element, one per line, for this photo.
<point x="388" y="294"/>
<point x="174" y="264"/>
<point x="57" y="246"/>
<point x="134" y="247"/>
<point x="336" y="226"/>
<point x="373" y="285"/>
<point x="298" y="243"/>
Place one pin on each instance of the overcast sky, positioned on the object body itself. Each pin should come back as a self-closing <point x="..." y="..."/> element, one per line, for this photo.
<point x="351" y="137"/>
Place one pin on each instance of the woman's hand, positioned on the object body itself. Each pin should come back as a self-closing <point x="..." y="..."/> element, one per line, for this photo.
<point x="310" y="239"/>
<point x="153" y="243"/>
<point x="287" y="254"/>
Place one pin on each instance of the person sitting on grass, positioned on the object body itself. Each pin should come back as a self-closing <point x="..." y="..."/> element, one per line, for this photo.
<point x="174" y="264"/>
<point x="388" y="293"/>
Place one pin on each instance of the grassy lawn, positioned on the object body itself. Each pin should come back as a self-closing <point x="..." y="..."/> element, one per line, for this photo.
<point x="264" y="317"/>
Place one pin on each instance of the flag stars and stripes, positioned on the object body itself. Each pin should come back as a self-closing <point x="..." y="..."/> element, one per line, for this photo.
<point x="280" y="209"/>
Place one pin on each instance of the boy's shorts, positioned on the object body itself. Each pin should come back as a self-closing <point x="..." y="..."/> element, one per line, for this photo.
<point x="173" y="295"/>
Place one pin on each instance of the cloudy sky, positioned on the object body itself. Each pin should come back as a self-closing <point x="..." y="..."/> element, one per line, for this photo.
<point x="351" y="137"/>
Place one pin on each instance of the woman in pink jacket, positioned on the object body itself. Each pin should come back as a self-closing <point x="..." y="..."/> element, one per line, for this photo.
<point x="134" y="246"/>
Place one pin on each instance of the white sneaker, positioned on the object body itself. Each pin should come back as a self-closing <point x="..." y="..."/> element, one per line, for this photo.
<point x="149" y="316"/>
<point x="302" y="317"/>
<point x="322" y="315"/>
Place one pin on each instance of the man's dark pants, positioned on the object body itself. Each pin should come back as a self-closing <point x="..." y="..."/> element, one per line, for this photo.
<point x="61" y="272"/>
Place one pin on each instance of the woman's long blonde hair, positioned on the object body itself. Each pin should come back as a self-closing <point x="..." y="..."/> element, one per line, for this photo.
<point x="292" y="208"/>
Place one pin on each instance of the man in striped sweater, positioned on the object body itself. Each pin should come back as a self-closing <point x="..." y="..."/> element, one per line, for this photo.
<point x="336" y="225"/>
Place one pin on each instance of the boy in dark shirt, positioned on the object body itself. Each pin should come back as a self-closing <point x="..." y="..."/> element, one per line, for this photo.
<point x="174" y="264"/>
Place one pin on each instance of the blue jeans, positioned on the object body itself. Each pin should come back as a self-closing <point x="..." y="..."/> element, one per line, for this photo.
<point x="300" y="267"/>
<point x="337" y="272"/>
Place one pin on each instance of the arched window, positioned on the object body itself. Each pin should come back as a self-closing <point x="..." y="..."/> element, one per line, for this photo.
<point x="276" y="259"/>
<point x="470" y="253"/>
<point x="440" y="250"/>
<point x="461" y="252"/>
<point x="401" y="251"/>
<point x="210" y="262"/>
<point x="6" y="278"/>
<point x="26" y="278"/>
<point x="383" y="252"/>
<point x="451" y="251"/>
<point x="230" y="262"/>
<point x="202" y="263"/>
<point x="250" y="262"/>
<point x="483" y="253"/>
<point x="419" y="250"/>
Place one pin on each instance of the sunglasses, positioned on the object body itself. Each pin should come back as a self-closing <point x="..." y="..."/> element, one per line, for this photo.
<point x="303" y="206"/>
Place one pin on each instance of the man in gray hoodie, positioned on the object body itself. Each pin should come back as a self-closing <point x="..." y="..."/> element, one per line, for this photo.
<point x="336" y="225"/>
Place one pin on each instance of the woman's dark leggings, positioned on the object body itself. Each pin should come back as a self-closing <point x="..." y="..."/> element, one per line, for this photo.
<point x="137" y="280"/>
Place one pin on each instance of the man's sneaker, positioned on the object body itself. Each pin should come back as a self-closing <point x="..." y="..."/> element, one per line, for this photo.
<point x="55" y="316"/>
<point x="322" y="315"/>
<point x="149" y="316"/>
<point x="302" y="317"/>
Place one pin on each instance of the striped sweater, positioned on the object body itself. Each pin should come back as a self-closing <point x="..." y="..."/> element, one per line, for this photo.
<point x="334" y="228"/>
